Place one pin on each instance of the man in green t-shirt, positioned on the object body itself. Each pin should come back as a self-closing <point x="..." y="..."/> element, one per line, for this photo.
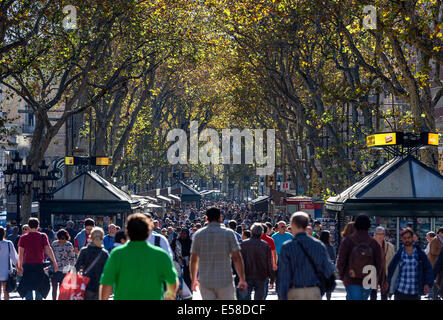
<point x="137" y="269"/>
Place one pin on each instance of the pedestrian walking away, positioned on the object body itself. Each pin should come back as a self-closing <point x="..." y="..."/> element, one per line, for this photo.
<point x="302" y="261"/>
<point x="211" y="253"/>
<point x="265" y="237"/>
<point x="257" y="258"/>
<point x="13" y="237"/>
<point x="138" y="269"/>
<point x="325" y="238"/>
<point x="91" y="261"/>
<point x="159" y="240"/>
<point x="185" y="245"/>
<point x="32" y="248"/>
<point x="357" y="251"/>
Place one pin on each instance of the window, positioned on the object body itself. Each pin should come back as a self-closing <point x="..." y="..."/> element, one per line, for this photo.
<point x="29" y="117"/>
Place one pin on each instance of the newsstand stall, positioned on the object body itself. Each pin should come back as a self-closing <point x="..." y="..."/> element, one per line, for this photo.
<point x="404" y="192"/>
<point x="88" y="195"/>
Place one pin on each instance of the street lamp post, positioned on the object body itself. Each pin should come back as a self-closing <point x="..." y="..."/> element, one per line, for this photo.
<point x="44" y="182"/>
<point x="18" y="180"/>
<point x="21" y="180"/>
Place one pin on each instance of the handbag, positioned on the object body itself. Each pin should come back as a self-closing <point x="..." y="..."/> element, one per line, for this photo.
<point x="326" y="284"/>
<point x="11" y="283"/>
<point x="73" y="286"/>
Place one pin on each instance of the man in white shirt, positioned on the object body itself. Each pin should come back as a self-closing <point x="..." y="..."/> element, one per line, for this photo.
<point x="161" y="240"/>
<point x="162" y="243"/>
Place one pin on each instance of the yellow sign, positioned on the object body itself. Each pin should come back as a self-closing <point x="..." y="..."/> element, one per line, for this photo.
<point x="433" y="139"/>
<point x="69" y="161"/>
<point x="381" y="139"/>
<point x="102" y="161"/>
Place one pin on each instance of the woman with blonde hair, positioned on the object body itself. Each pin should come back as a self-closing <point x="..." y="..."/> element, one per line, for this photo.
<point x="91" y="262"/>
<point x="348" y="230"/>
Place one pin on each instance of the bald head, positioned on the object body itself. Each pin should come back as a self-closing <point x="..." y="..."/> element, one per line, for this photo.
<point x="282" y="227"/>
<point x="309" y="230"/>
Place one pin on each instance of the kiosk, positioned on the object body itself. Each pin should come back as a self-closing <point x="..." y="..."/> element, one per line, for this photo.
<point x="403" y="192"/>
<point x="88" y="195"/>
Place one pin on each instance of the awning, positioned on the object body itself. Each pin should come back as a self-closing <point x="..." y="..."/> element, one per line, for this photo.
<point x="209" y="192"/>
<point x="151" y="205"/>
<point x="151" y="198"/>
<point x="260" y="199"/>
<point x="164" y="198"/>
<point x="173" y="196"/>
<point x="400" y="188"/>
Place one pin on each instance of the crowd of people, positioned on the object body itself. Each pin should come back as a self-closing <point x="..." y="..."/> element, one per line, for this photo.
<point x="226" y="250"/>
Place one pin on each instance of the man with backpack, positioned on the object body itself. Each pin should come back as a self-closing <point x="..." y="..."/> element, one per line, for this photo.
<point x="357" y="251"/>
<point x="159" y="240"/>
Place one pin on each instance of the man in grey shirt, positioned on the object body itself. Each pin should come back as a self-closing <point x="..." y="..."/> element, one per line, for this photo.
<point x="211" y="251"/>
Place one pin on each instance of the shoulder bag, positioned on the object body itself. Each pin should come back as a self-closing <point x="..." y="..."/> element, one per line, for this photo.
<point x="73" y="286"/>
<point x="326" y="284"/>
<point x="11" y="284"/>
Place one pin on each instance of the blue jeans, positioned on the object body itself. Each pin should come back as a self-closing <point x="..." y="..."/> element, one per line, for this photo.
<point x="355" y="292"/>
<point x="38" y="296"/>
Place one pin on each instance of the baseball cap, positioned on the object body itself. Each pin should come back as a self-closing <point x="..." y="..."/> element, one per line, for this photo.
<point x="380" y="229"/>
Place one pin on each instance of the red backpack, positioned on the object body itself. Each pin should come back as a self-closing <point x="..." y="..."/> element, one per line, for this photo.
<point x="361" y="256"/>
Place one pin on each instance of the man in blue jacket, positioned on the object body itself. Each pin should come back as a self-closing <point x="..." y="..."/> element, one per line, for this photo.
<point x="410" y="273"/>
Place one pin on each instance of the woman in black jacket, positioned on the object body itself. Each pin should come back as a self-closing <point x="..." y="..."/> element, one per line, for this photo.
<point x="91" y="262"/>
<point x="186" y="243"/>
<point x="326" y="239"/>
